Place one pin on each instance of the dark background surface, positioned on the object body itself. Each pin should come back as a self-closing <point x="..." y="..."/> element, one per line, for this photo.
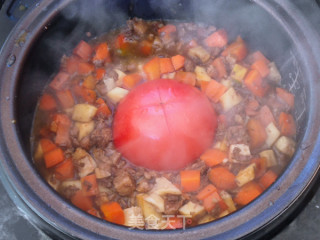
<point x="15" y="225"/>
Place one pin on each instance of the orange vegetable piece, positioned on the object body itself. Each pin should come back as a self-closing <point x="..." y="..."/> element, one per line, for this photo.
<point x="93" y="212"/>
<point x="102" y="53"/>
<point x="186" y="77"/>
<point x="248" y="193"/>
<point x="72" y="64"/>
<point x="53" y="157"/>
<point x="222" y="178"/>
<point x="259" y="56"/>
<point x="65" y="170"/>
<point x="267" y="179"/>
<point x="285" y="96"/>
<point x="47" y="103"/>
<point x="167" y="29"/>
<point x="59" y="119"/>
<point x="166" y="65"/>
<point x="261" y="166"/>
<point x="262" y="67"/>
<point x="121" y="42"/>
<point x="152" y="69"/>
<point x="287" y="124"/>
<point x="220" y="67"/>
<point x="205" y="192"/>
<point x="131" y="80"/>
<point x="60" y="81"/>
<point x="113" y="212"/>
<point x="256" y="132"/>
<point x="46" y="145"/>
<point x="215" y="90"/>
<point x="145" y="48"/>
<point x="89" y="82"/>
<point x="213" y="157"/>
<point x="190" y="180"/>
<point x="62" y="135"/>
<point x="217" y="39"/>
<point x="265" y="116"/>
<point x="204" y="85"/>
<point x="65" y="98"/>
<point x="237" y="49"/>
<point x="177" y="61"/>
<point x="86" y="94"/>
<point x="103" y="109"/>
<point x="89" y="185"/>
<point x="83" y="50"/>
<point x="81" y="201"/>
<point x="85" y="68"/>
<point x="100" y="72"/>
<point x="174" y="222"/>
<point x="44" y="131"/>
<point x="255" y="83"/>
<point x="211" y="201"/>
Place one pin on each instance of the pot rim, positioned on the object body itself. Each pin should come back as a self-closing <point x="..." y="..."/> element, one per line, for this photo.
<point x="288" y="190"/>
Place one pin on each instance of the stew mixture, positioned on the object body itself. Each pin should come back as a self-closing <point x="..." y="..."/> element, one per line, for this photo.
<point x="254" y="138"/>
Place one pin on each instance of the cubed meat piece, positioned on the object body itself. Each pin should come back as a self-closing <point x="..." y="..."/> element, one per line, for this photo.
<point x="172" y="203"/>
<point x="84" y="162"/>
<point x="124" y="183"/>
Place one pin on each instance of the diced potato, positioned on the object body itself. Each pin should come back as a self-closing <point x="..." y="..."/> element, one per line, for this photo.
<point x="116" y="94"/>
<point x="243" y="148"/>
<point x="133" y="217"/>
<point x="74" y="184"/>
<point x="245" y="175"/>
<point x="272" y="134"/>
<point x="148" y="210"/>
<point x="286" y="145"/>
<point x="238" y="72"/>
<point x="202" y="74"/>
<point x="270" y="157"/>
<point x="84" y="162"/>
<point x="193" y="210"/>
<point x="155" y="200"/>
<point x="274" y="74"/>
<point x="79" y="153"/>
<point x="224" y="213"/>
<point x="53" y="182"/>
<point x="221" y="145"/>
<point x="102" y="173"/>
<point x="164" y="186"/>
<point x="84" y="129"/>
<point x="38" y="154"/>
<point x="121" y="75"/>
<point x="228" y="200"/>
<point x="230" y="99"/>
<point x="109" y="83"/>
<point x="83" y="112"/>
<point x="199" y="52"/>
<point x="227" y="82"/>
<point x="205" y="219"/>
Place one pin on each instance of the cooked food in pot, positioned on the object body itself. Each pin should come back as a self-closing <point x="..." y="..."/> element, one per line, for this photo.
<point x="163" y="125"/>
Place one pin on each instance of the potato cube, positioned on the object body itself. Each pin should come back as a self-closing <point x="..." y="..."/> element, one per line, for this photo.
<point x="200" y="53"/>
<point x="84" y="129"/>
<point x="83" y="112"/>
<point x="164" y="186"/>
<point x="238" y="72"/>
<point x="272" y="134"/>
<point x="270" y="157"/>
<point x="116" y="94"/>
<point x="245" y="175"/>
<point x="133" y="217"/>
<point x="193" y="210"/>
<point x="202" y="74"/>
<point x="286" y="146"/>
<point x="230" y="99"/>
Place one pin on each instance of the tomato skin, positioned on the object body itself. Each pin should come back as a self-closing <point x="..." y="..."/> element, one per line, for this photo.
<point x="164" y="125"/>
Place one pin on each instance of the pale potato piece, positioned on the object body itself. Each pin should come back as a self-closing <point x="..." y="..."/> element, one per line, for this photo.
<point x="230" y="99"/>
<point x="201" y="74"/>
<point x="155" y="200"/>
<point x="193" y="210"/>
<point x="164" y="186"/>
<point x="272" y="134"/>
<point x="83" y="112"/>
<point x="84" y="129"/>
<point x="38" y="154"/>
<point x="270" y="157"/>
<point x="274" y="74"/>
<point x="228" y="200"/>
<point x="205" y="219"/>
<point x="116" y="94"/>
<point x="199" y="52"/>
<point x="75" y="184"/>
<point x="246" y="175"/>
<point x="286" y="145"/>
<point x="133" y="217"/>
<point x="84" y="162"/>
<point x="244" y="151"/>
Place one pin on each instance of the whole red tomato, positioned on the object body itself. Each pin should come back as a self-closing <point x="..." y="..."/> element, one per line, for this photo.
<point x="164" y="125"/>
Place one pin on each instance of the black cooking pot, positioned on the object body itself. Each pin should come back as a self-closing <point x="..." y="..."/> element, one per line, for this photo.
<point x="52" y="28"/>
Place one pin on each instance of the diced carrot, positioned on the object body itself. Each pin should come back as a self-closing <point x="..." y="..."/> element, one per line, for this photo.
<point x="60" y="81"/>
<point x="167" y="29"/>
<point x="102" y="53"/>
<point x="186" y="77"/>
<point x="204" y="85"/>
<point x="213" y="157"/>
<point x="287" y="124"/>
<point x="166" y="65"/>
<point x="259" y="56"/>
<point x="222" y="178"/>
<point x="113" y="212"/>
<point x="190" y="180"/>
<point x="267" y="179"/>
<point x="89" y="185"/>
<point x="72" y="64"/>
<point x="100" y="72"/>
<point x="121" y="43"/>
<point x="131" y="80"/>
<point x="152" y="69"/>
<point x="85" y="68"/>
<point x="81" y="201"/>
<point x="215" y="90"/>
<point x="265" y="116"/>
<point x="146" y="48"/>
<point x="237" y="49"/>
<point x="61" y="119"/>
<point x="53" y="157"/>
<point x="174" y="222"/>
<point x="89" y="82"/>
<point x="206" y="191"/>
<point x="286" y="97"/>
<point x="83" y="50"/>
<point x="65" y="170"/>
<point x="93" y="212"/>
<point x="62" y="135"/>
<point x="261" y="166"/>
<point x="65" y="98"/>
<point x="220" y="67"/>
<point x="217" y="39"/>
<point x="248" y="193"/>
<point x="86" y="94"/>
<point x="47" y="103"/>
<point x="256" y="132"/>
<point x="213" y="200"/>
<point x="178" y="61"/>
<point x="262" y="67"/>
<point x="45" y="131"/>
<point x="47" y="145"/>
<point x="103" y="109"/>
<point x="255" y="83"/>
